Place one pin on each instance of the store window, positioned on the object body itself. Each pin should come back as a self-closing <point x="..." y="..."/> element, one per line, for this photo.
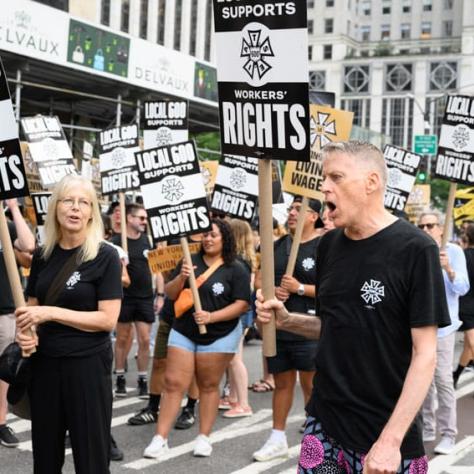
<point x="361" y="110"/>
<point x="397" y="120"/>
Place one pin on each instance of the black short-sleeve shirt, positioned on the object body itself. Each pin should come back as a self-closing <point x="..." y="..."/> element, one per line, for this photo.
<point x="93" y="281"/>
<point x="371" y="292"/>
<point x="138" y="269"/>
<point x="305" y="273"/>
<point x="230" y="282"/>
<point x="7" y="304"/>
<point x="466" y="302"/>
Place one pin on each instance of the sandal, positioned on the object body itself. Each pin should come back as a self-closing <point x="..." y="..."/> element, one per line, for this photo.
<point x="262" y="386"/>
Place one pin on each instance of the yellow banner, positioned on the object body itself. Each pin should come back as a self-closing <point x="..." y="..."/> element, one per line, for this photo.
<point x="164" y="259"/>
<point x="463" y="205"/>
<point x="327" y="125"/>
<point x="209" y="174"/>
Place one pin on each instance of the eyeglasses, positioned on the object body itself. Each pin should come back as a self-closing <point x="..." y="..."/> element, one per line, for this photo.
<point x="142" y="218"/>
<point x="297" y="209"/>
<point x="429" y="226"/>
<point x="83" y="204"/>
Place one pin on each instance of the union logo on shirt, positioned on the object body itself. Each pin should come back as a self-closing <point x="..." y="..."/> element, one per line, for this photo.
<point x="73" y="279"/>
<point x="372" y="291"/>
<point x="308" y="263"/>
<point x="218" y="288"/>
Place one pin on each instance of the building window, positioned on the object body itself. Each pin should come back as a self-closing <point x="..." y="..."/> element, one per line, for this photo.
<point x="207" y="44"/>
<point x="327" y="51"/>
<point x="329" y="3"/>
<point x="317" y="80"/>
<point x="193" y="28"/>
<point x="425" y="29"/>
<point x="398" y="78"/>
<point x="310" y="27"/>
<point x="328" y="25"/>
<point x="161" y="22"/>
<point x="125" y="16"/>
<point x="365" y="33"/>
<point x="386" y="7"/>
<point x="448" y="4"/>
<point x="178" y="11"/>
<point x="443" y="75"/>
<point x="105" y="12"/>
<point x="143" y="18"/>
<point x="406" y="6"/>
<point x="365" y="6"/>
<point x="397" y="117"/>
<point x="405" y="30"/>
<point x="356" y="79"/>
<point x="448" y="28"/>
<point x="310" y="52"/>
<point x="427" y="5"/>
<point x="361" y="110"/>
<point x="436" y="107"/>
<point x="310" y="4"/>
<point x="384" y="32"/>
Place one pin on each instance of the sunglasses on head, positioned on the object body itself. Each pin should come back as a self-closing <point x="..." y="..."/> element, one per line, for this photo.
<point x="429" y="226"/>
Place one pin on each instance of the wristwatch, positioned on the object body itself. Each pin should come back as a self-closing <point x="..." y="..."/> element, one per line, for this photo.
<point x="300" y="290"/>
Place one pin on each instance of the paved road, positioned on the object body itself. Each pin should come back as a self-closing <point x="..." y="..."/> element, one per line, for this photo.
<point x="234" y="440"/>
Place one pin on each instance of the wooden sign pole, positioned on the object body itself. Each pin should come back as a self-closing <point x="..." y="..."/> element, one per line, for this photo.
<point x="192" y="281"/>
<point x="266" y="249"/>
<point x="10" y="265"/>
<point x="290" y="267"/>
<point x="123" y="222"/>
<point x="449" y="214"/>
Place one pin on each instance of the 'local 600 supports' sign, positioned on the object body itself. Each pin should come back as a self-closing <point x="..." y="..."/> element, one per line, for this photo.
<point x="262" y="59"/>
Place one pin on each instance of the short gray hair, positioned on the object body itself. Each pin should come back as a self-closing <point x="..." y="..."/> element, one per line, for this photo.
<point x="364" y="151"/>
<point x="433" y="212"/>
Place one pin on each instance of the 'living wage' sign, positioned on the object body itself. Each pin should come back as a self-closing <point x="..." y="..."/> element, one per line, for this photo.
<point x="456" y="141"/>
<point x="173" y="191"/>
<point x="12" y="171"/>
<point x="262" y="72"/>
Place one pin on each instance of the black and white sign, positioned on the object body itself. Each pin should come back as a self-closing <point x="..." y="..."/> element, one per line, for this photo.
<point x="456" y="141"/>
<point x="173" y="191"/>
<point x="12" y="171"/>
<point x="166" y="122"/>
<point x="402" y="168"/>
<point x="48" y="148"/>
<point x="236" y="188"/>
<point x="262" y="72"/>
<point x="40" y="205"/>
<point x="118" y="168"/>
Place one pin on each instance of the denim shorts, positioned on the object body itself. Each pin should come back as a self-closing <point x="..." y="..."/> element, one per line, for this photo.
<point x="228" y="344"/>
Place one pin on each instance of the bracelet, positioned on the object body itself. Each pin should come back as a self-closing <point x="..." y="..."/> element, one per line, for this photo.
<point x="160" y="294"/>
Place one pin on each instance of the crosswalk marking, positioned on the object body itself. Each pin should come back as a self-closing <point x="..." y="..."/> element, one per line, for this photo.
<point x="440" y="464"/>
<point x="229" y="432"/>
<point x="257" y="467"/>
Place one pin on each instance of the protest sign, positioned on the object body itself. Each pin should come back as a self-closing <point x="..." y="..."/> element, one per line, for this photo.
<point x="236" y="188"/>
<point x="164" y="259"/>
<point x="262" y="73"/>
<point x="40" y="205"/>
<point x="209" y="173"/>
<point x="118" y="169"/>
<point x="173" y="191"/>
<point x="402" y="167"/>
<point x="418" y="201"/>
<point x="456" y="141"/>
<point x="327" y="125"/>
<point x="48" y="148"/>
<point x="12" y="171"/>
<point x="166" y="122"/>
<point x="463" y="206"/>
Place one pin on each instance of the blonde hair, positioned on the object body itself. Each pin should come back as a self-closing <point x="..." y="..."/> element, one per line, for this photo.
<point x="95" y="228"/>
<point x="244" y="241"/>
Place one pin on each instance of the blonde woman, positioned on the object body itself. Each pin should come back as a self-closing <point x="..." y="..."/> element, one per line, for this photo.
<point x="238" y="402"/>
<point x="71" y="386"/>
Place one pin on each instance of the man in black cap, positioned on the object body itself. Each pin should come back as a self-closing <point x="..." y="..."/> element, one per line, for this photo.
<point x="295" y="354"/>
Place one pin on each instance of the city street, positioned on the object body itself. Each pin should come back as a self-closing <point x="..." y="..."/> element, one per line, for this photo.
<point x="234" y="440"/>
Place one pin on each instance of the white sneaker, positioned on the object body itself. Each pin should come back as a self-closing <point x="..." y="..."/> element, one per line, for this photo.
<point x="271" y="450"/>
<point x="203" y="446"/>
<point x="445" y="446"/>
<point x="157" y="448"/>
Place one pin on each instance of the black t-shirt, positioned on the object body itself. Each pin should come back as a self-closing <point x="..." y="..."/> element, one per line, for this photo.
<point x="226" y="285"/>
<point x="7" y="304"/>
<point x="93" y="281"/>
<point x="466" y="302"/>
<point x="371" y="292"/>
<point x="305" y="273"/>
<point x="167" y="311"/>
<point x="138" y="269"/>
